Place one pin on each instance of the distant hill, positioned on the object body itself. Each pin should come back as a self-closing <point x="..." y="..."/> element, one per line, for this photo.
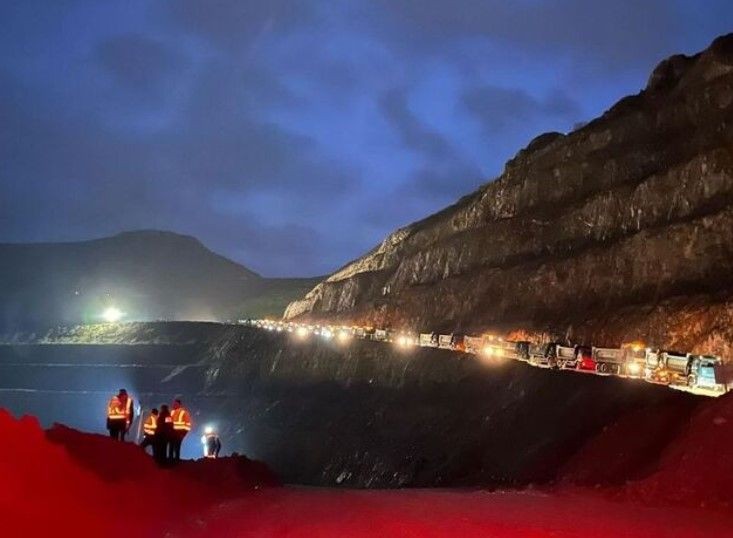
<point x="147" y="275"/>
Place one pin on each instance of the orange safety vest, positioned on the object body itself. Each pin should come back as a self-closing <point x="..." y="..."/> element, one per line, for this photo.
<point x="181" y="420"/>
<point x="150" y="425"/>
<point x="116" y="411"/>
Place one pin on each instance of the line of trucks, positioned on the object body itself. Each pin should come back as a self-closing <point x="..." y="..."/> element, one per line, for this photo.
<point x="700" y="374"/>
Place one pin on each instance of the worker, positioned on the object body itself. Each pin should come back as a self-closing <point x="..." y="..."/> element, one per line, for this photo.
<point x="181" y="426"/>
<point x="163" y="435"/>
<point x="149" y="427"/>
<point x="120" y="414"/>
<point x="212" y="443"/>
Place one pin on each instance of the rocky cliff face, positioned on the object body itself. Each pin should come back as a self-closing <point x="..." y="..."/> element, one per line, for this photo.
<point x="623" y="228"/>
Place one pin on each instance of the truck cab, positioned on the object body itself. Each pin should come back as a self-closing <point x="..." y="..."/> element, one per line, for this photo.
<point x="458" y="342"/>
<point x="584" y="359"/>
<point x="522" y="350"/>
<point x="542" y="355"/>
<point x="707" y="372"/>
<point x="652" y="366"/>
<point x="635" y="359"/>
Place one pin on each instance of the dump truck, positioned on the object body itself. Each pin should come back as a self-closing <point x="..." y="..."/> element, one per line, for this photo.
<point x="428" y="340"/>
<point x="495" y="347"/>
<point x="666" y="367"/>
<point x="564" y="356"/>
<point x="473" y="344"/>
<point x="445" y="341"/>
<point x="405" y="339"/>
<point x="608" y="360"/>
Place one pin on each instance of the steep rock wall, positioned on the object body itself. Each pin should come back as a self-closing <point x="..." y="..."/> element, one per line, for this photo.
<point x="633" y="210"/>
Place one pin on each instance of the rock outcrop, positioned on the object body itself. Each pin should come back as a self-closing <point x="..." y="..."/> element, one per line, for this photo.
<point x="622" y="228"/>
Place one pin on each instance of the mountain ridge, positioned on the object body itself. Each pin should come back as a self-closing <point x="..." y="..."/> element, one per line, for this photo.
<point x="147" y="274"/>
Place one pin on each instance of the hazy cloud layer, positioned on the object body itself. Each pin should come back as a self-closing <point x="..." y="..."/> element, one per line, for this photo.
<point x="293" y="135"/>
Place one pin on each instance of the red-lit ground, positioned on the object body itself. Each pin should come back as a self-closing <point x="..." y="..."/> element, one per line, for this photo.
<point x="63" y="482"/>
<point x="293" y="512"/>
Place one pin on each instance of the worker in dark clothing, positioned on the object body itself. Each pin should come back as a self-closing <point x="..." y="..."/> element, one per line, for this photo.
<point x="211" y="442"/>
<point x="163" y="435"/>
<point x="120" y="414"/>
<point x="149" y="427"/>
<point x="181" y="426"/>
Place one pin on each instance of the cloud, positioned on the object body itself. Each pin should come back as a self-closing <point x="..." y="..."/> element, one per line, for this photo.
<point x="411" y="131"/>
<point x="616" y="32"/>
<point x="139" y="62"/>
<point x="506" y="109"/>
<point x="234" y="23"/>
<point x="442" y="170"/>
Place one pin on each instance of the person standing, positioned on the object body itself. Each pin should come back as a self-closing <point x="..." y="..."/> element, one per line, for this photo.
<point x="120" y="414"/>
<point x="163" y="435"/>
<point x="149" y="427"/>
<point x="211" y="442"/>
<point x="181" y="426"/>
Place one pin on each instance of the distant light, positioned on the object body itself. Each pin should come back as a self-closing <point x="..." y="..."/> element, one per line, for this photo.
<point x="327" y="334"/>
<point x="344" y="337"/>
<point x="208" y="430"/>
<point x="302" y="332"/>
<point x="634" y="368"/>
<point x="404" y="341"/>
<point x="112" y="314"/>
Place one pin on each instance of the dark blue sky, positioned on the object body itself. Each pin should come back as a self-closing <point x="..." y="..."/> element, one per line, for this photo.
<point x="293" y="136"/>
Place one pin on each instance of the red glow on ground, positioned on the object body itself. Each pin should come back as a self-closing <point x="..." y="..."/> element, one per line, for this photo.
<point x="65" y="483"/>
<point x="300" y="513"/>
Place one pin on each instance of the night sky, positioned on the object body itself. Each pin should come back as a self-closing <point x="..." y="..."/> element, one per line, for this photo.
<point x="293" y="136"/>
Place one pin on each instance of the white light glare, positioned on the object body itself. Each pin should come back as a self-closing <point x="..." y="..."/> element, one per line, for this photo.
<point x="112" y="314"/>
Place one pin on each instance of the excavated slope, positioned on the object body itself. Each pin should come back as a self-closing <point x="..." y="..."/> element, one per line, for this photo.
<point x="621" y="229"/>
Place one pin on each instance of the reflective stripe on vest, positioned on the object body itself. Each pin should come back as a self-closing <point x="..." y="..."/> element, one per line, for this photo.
<point x="151" y="424"/>
<point x="181" y="420"/>
<point x="128" y="410"/>
<point x="114" y="409"/>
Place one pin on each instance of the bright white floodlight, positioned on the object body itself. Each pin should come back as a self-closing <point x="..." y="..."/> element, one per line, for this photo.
<point x="112" y="314"/>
